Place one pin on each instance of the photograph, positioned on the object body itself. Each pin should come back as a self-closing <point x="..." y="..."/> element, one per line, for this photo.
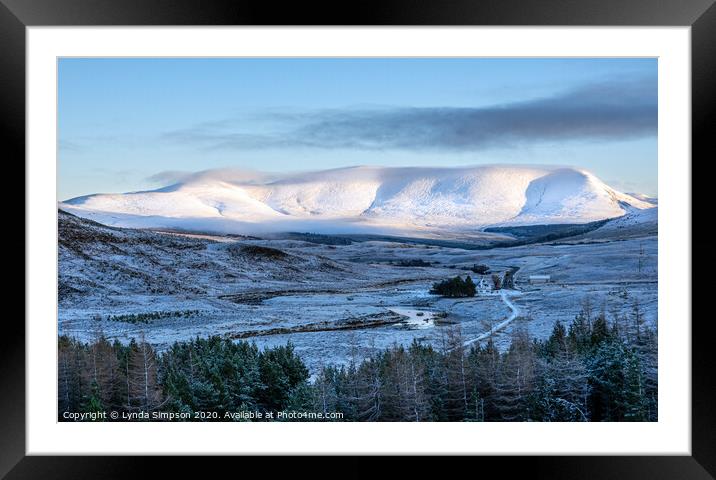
<point x="357" y="239"/>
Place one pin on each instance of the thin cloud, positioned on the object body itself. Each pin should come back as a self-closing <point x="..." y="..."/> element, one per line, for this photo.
<point x="229" y="175"/>
<point x="599" y="112"/>
<point x="68" y="146"/>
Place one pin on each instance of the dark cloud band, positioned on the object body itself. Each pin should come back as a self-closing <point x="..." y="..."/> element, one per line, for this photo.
<point x="609" y="111"/>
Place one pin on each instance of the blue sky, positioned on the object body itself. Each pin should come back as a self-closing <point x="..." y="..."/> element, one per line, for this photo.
<point x="131" y="124"/>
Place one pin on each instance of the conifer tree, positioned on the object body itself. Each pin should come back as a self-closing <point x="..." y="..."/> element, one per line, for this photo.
<point x="458" y="387"/>
<point x="600" y="330"/>
<point x="485" y="363"/>
<point x="516" y="381"/>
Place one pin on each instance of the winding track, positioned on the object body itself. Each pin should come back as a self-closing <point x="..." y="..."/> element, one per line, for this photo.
<point x="504" y="295"/>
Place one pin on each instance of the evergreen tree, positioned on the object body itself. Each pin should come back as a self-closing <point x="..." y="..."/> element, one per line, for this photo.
<point x="516" y="380"/>
<point x="508" y="279"/>
<point x="556" y="344"/>
<point x="563" y="388"/>
<point x="634" y="400"/>
<point x="607" y="369"/>
<point x="600" y="330"/>
<point x="281" y="371"/>
<point x="580" y="332"/>
<point x="458" y="381"/>
<point x="455" y="288"/>
<point x="485" y="365"/>
<point x="469" y="287"/>
<point x="588" y="372"/>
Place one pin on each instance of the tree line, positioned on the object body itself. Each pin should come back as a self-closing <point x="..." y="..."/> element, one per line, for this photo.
<point x="591" y="370"/>
<point x="147" y="317"/>
<point x="212" y="374"/>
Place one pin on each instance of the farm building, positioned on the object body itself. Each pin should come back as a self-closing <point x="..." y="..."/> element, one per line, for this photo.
<point x="483" y="287"/>
<point x="540" y="279"/>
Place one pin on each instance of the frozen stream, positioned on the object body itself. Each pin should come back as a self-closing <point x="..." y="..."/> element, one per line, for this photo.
<point x="419" y="319"/>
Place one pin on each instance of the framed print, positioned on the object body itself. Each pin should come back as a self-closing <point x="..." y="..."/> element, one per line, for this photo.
<point x="411" y="231"/>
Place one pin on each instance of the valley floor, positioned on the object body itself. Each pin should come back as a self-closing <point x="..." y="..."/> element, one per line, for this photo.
<point x="334" y="303"/>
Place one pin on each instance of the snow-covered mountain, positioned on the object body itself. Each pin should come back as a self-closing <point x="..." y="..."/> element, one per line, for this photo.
<point x="355" y="198"/>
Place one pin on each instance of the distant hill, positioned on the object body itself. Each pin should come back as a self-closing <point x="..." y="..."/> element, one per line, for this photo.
<point x="360" y="199"/>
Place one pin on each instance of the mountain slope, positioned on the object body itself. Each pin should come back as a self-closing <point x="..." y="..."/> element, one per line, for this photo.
<point x="368" y="197"/>
<point x="99" y="264"/>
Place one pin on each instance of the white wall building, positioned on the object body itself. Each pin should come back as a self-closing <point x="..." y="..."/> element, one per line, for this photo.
<point x="483" y="286"/>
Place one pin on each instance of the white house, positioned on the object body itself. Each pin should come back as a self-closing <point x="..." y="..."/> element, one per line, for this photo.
<point x="540" y="279"/>
<point x="483" y="287"/>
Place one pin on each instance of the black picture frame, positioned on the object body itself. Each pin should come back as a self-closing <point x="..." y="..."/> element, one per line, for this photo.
<point x="700" y="15"/>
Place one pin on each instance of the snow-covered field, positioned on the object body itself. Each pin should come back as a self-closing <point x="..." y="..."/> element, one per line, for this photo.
<point x="337" y="302"/>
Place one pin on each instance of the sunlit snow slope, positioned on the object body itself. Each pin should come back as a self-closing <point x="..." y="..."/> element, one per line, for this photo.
<point x="368" y="197"/>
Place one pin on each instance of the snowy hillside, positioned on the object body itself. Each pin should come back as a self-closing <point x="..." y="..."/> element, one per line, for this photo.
<point x="356" y="198"/>
<point x="101" y="262"/>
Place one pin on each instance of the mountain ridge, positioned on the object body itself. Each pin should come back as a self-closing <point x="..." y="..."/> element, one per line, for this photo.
<point x="369" y="198"/>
